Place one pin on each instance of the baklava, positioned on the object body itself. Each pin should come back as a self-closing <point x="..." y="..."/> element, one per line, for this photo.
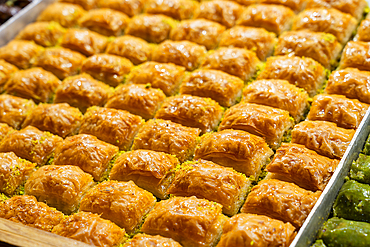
<point x="295" y="5"/>
<point x="129" y="7"/>
<point x="246" y="2"/>
<point x="14" y="110"/>
<point x="363" y="31"/>
<point x="176" y="9"/>
<point x="86" y="4"/>
<point x="66" y="14"/>
<point x="352" y="7"/>
<point x="356" y="54"/>
<point x="144" y="240"/>
<point x="4" y="130"/>
<point x="21" y="53"/>
<point x="6" y="70"/>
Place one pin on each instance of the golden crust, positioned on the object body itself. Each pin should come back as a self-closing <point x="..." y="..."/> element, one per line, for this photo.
<point x="356" y="54"/>
<point x="123" y="203"/>
<point x="166" y="136"/>
<point x="116" y="127"/>
<point x="144" y="240"/>
<point x="4" y="130"/>
<point x="91" y="229"/>
<point x="217" y="85"/>
<point x="165" y="76"/>
<point x="352" y="7"/>
<point x="363" y="31"/>
<point x="246" y="2"/>
<point x="31" y="144"/>
<point x="238" y="149"/>
<point x="28" y="211"/>
<point x="281" y="200"/>
<point x="6" y="71"/>
<point x="295" y="5"/>
<point x="87" y="152"/>
<point x="138" y="99"/>
<point x="247" y="230"/>
<point x="86" y="4"/>
<point x="188" y="220"/>
<point x="150" y="170"/>
<point x="323" y="137"/>
<point x="129" y="7"/>
<point x="177" y="9"/>
<point x="66" y="14"/>
<point x="82" y="91"/>
<point x="200" y="31"/>
<point x="14" y="110"/>
<point x="257" y="40"/>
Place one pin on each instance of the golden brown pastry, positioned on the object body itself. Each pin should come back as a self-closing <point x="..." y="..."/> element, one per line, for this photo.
<point x="303" y="72"/>
<point x="238" y="149"/>
<point x="66" y="14"/>
<point x="28" y="211"/>
<point x="192" y="111"/>
<point x="14" y="172"/>
<point x="200" y="31"/>
<point x="234" y="61"/>
<point x="144" y="240"/>
<point x="13" y="110"/>
<point x="279" y="94"/>
<point x="251" y="230"/>
<point x="21" y="53"/>
<point x="297" y="164"/>
<point x="295" y="5"/>
<point x="270" y="123"/>
<point x="188" y="220"/>
<point x="217" y="85"/>
<point x="346" y="113"/>
<point x="322" y="47"/>
<point x="273" y="18"/>
<point x="129" y="7"/>
<point x="135" y="49"/>
<point x="82" y="91"/>
<point x="123" y="203"/>
<point x="257" y="40"/>
<point x="356" y="54"/>
<point x="105" y="21"/>
<point x="6" y="70"/>
<point x="352" y="7"/>
<point x="62" y="62"/>
<point x="281" y="200"/>
<point x="246" y="2"/>
<point x="152" y="28"/>
<point x="177" y="9"/>
<point x="35" y="83"/>
<point x="91" y="229"/>
<point x="137" y="99"/>
<point x="332" y="21"/>
<point x="323" y="137"/>
<point x="351" y="83"/>
<point x="166" y="136"/>
<point x="205" y="179"/>
<point x="61" y="187"/>
<point x="86" y="4"/>
<point x="4" y="130"/>
<point x="116" y="127"/>
<point x="165" y="76"/>
<point x="150" y="170"/>
<point x="363" y="31"/>
<point x="31" y="144"/>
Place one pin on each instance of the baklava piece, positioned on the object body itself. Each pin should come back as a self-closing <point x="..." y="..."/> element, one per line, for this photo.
<point x="200" y="31"/>
<point x="217" y="85"/>
<point x="165" y="76"/>
<point x="351" y="83"/>
<point x="31" y="144"/>
<point x="91" y="229"/>
<point x="46" y="34"/>
<point x="352" y="7"/>
<point x="281" y="200"/>
<point x="303" y="72"/>
<point x="21" y="53"/>
<point x="110" y="69"/>
<point x="179" y="218"/>
<point x="238" y="149"/>
<point x="166" y="136"/>
<point x="123" y="203"/>
<point x="62" y="62"/>
<point x="247" y="2"/>
<point x="363" y="31"/>
<point x="332" y="21"/>
<point x="279" y="94"/>
<point x="28" y="211"/>
<point x="268" y="122"/>
<point x="66" y="14"/>
<point x="257" y="40"/>
<point x="61" y="187"/>
<point x="4" y="130"/>
<point x="322" y="47"/>
<point x="129" y="7"/>
<point x="6" y="70"/>
<point x="273" y="18"/>
<point x="295" y="5"/>
<point x="137" y="99"/>
<point x="107" y="22"/>
<point x="86" y="4"/>
<point x="356" y="54"/>
<point x="14" y="110"/>
<point x="296" y="164"/>
<point x="87" y="152"/>
<point x="346" y="113"/>
<point x="152" y="28"/>
<point x="323" y="137"/>
<point x="176" y="9"/>
<point x="82" y="91"/>
<point x="234" y="61"/>
<point x="144" y="240"/>
<point x="247" y="230"/>
<point x="183" y="53"/>
<point x="150" y="170"/>
<point x="116" y="127"/>
<point x="205" y="179"/>
<point x="14" y="172"/>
